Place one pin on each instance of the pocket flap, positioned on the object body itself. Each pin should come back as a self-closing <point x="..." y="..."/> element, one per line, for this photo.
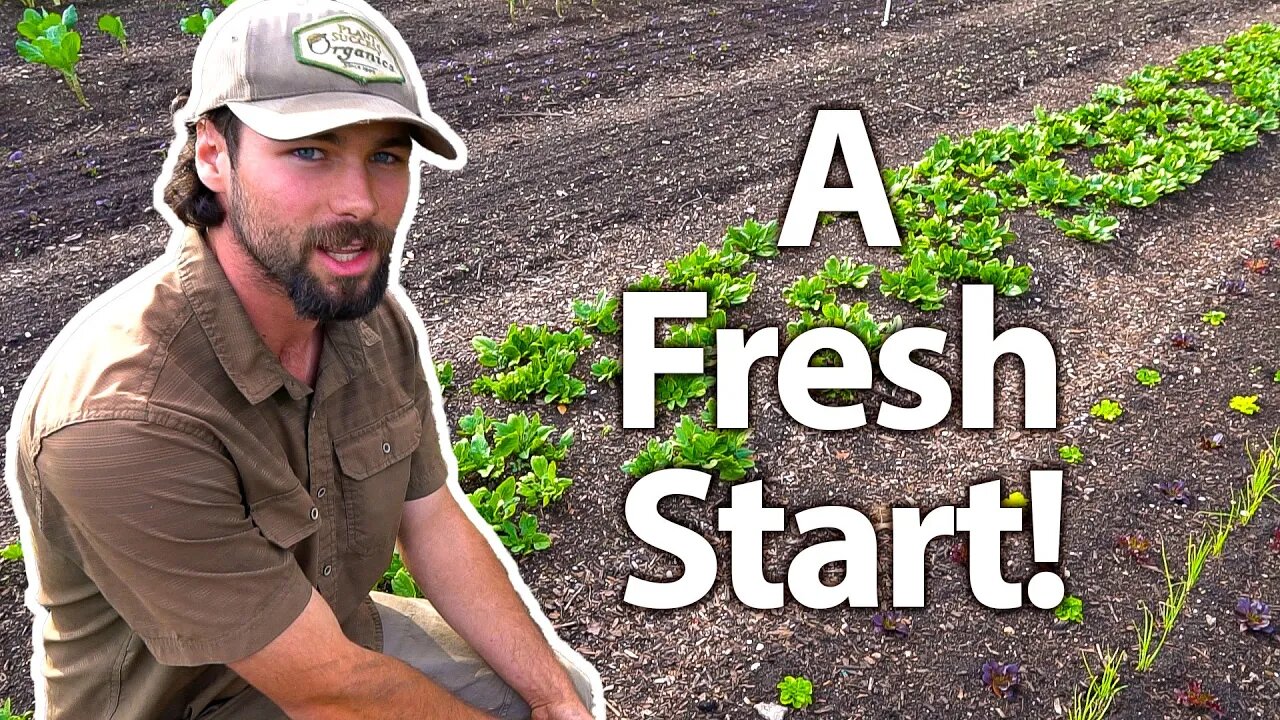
<point x="285" y="519"/>
<point x="375" y="447"/>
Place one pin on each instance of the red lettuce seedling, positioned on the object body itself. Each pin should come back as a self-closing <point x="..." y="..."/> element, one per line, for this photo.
<point x="1255" y="616"/>
<point x="1136" y="544"/>
<point x="1212" y="442"/>
<point x="1195" y="696"/>
<point x="1174" y="490"/>
<point x="1260" y="266"/>
<point x="891" y="623"/>
<point x="1231" y="286"/>
<point x="1275" y="540"/>
<point x="1183" y="340"/>
<point x="1002" y="679"/>
<point x="959" y="553"/>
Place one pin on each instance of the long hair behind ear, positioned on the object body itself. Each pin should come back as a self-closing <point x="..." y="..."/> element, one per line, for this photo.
<point x="194" y="203"/>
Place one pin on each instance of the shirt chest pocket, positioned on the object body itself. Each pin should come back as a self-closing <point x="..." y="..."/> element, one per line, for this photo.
<point x="375" y="461"/>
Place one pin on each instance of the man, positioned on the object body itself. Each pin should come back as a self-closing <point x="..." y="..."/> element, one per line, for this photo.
<point x="217" y="458"/>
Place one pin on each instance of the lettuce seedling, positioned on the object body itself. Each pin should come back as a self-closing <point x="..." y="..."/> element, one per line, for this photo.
<point x="1174" y="490"/>
<point x="1212" y="442"/>
<point x="1148" y="376"/>
<point x="1107" y="409"/>
<point x="808" y="293"/>
<point x="1276" y="377"/>
<point x="605" y="369"/>
<point x="796" y="692"/>
<point x="1015" y="500"/>
<point x="1260" y="266"/>
<point x="752" y="238"/>
<point x="1196" y="697"/>
<point x="7" y="713"/>
<point x="1004" y="680"/>
<point x="891" y="623"/>
<point x="1093" y="227"/>
<point x="1071" y="454"/>
<point x="12" y="551"/>
<point x="197" y="23"/>
<point x="51" y="41"/>
<point x="1214" y="317"/>
<point x="541" y="485"/>
<point x="1137" y="545"/>
<point x="844" y="272"/>
<point x="444" y="373"/>
<point x="1071" y="609"/>
<point x="599" y="314"/>
<point x="676" y="391"/>
<point x="114" y="26"/>
<point x="1247" y="404"/>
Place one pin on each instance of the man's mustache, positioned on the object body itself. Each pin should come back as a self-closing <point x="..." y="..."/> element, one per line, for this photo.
<point x="367" y="233"/>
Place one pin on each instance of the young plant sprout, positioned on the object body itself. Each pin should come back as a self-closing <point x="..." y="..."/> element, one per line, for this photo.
<point x="1148" y="376"/>
<point x="1107" y="409"/>
<point x="1196" y="697"/>
<point x="1214" y="317"/>
<point x="1183" y="340"/>
<point x="1174" y="490"/>
<point x="1071" y="454"/>
<point x="889" y="622"/>
<point x="1212" y="442"/>
<point x="1247" y="404"/>
<point x="1255" y="616"/>
<point x="1004" y="680"/>
<point x="1137" y="545"/>
<point x="796" y="692"/>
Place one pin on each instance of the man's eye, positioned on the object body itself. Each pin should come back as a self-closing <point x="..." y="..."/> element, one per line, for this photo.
<point x="308" y="153"/>
<point x="386" y="158"/>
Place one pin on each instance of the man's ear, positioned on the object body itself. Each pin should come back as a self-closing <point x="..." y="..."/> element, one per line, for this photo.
<point x="213" y="162"/>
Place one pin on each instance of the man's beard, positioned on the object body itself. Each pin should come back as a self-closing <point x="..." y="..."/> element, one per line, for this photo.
<point x="282" y="258"/>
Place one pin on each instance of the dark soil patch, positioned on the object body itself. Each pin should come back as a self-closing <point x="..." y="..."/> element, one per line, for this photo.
<point x="622" y="135"/>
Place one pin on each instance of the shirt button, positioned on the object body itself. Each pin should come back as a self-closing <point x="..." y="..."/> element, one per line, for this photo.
<point x="386" y="448"/>
<point x="328" y="570"/>
<point x="315" y="514"/>
<point x="320" y="493"/>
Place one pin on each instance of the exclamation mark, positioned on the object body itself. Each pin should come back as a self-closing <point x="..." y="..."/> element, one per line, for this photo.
<point x="1046" y="590"/>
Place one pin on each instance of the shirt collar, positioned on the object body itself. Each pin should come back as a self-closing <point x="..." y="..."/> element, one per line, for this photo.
<point x="248" y="362"/>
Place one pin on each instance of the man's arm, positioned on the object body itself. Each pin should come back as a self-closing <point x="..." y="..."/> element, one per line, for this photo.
<point x="313" y="672"/>
<point x="463" y="579"/>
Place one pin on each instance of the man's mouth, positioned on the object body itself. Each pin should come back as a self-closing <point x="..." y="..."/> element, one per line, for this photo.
<point x="344" y="254"/>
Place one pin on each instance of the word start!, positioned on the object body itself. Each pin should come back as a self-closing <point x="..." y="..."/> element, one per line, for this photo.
<point x="746" y="519"/>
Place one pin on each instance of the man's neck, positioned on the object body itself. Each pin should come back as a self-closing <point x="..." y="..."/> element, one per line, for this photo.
<point x="295" y="341"/>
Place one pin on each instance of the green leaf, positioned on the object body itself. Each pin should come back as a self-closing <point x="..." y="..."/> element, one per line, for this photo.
<point x="12" y="551"/>
<point x="1071" y="609"/>
<point x="1015" y="500"/>
<point x="403" y="584"/>
<point x="30" y="52"/>
<point x="113" y="26"/>
<point x="70" y="16"/>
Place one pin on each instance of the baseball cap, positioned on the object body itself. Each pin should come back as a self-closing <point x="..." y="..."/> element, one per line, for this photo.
<point x="293" y="68"/>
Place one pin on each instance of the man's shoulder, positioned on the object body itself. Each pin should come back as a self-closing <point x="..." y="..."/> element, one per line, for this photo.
<point x="105" y="360"/>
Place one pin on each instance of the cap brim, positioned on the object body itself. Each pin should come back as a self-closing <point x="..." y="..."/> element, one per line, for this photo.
<point x="291" y="118"/>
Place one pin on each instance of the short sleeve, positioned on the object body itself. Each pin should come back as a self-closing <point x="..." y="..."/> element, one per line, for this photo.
<point x="155" y="518"/>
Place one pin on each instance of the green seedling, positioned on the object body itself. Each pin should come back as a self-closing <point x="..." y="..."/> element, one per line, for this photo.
<point x="1276" y="377"/>
<point x="1176" y="593"/>
<point x="675" y="391"/>
<point x="1148" y="376"/>
<point x="12" y="551"/>
<point x="114" y="26"/>
<point x="1095" y="701"/>
<point x="444" y="373"/>
<point x="1015" y="500"/>
<point x="1214" y="317"/>
<point x="1071" y="454"/>
<point x="598" y="314"/>
<point x="605" y="369"/>
<point x="1107" y="409"/>
<point x="809" y="293"/>
<point x="752" y="238"/>
<point x="796" y="692"/>
<point x="1093" y="227"/>
<point x="1071" y="609"/>
<point x="197" y="23"/>
<point x="48" y="39"/>
<point x="1247" y="404"/>
<point x="7" y="713"/>
<point x="844" y="272"/>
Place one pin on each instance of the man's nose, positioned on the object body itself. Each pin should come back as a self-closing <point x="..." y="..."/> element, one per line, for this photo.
<point x="353" y="194"/>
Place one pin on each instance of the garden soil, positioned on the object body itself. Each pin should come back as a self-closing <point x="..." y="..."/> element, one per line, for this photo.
<point x="625" y="133"/>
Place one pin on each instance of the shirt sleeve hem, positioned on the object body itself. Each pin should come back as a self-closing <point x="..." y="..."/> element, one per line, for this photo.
<point x="265" y="623"/>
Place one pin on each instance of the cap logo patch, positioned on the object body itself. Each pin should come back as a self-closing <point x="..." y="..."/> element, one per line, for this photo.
<point x="348" y="46"/>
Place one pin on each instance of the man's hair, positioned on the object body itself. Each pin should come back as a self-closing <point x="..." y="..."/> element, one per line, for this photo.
<point x="194" y="203"/>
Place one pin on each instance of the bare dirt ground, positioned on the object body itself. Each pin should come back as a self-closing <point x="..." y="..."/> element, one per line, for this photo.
<point x="623" y="135"/>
